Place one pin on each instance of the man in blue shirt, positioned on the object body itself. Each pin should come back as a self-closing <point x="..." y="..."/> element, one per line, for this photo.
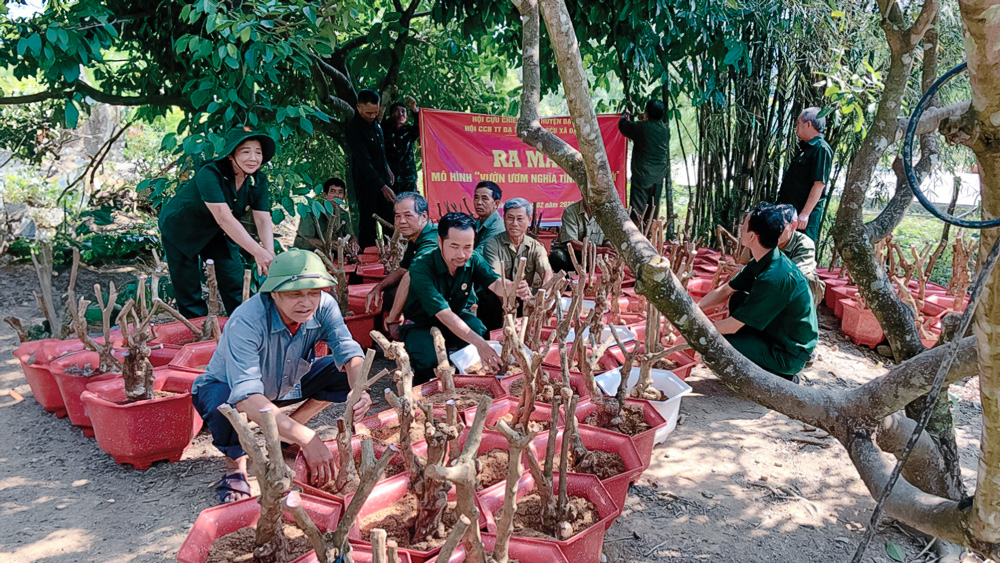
<point x="266" y="358"/>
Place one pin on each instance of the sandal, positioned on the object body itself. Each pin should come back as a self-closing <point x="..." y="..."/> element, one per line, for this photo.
<point x="233" y="487"/>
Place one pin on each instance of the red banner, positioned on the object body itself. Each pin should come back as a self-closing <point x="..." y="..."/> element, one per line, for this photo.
<point x="459" y="150"/>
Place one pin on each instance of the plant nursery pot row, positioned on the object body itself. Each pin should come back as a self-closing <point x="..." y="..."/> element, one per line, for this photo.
<point x="643" y="441"/>
<point x="860" y="324"/>
<point x="524" y="550"/>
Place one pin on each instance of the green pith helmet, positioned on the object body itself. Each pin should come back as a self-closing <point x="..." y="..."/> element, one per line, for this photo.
<point x="237" y="135"/>
<point x="296" y="269"/>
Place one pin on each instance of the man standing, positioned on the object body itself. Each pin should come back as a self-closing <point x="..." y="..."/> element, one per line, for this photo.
<point x="804" y="183"/>
<point x="801" y="250"/>
<point x="772" y="317"/>
<point x="441" y="288"/>
<point x="649" y="158"/>
<point x="399" y="140"/>
<point x="369" y="170"/>
<point x="310" y="228"/>
<point x="577" y="224"/>
<point x="266" y="358"/>
<point x="488" y="222"/>
<point x="503" y="252"/>
<point x="411" y="220"/>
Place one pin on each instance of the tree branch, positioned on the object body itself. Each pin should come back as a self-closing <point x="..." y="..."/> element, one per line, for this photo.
<point x="932" y="118"/>
<point x="98" y="95"/>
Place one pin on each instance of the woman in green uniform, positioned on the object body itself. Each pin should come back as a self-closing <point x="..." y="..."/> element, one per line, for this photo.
<point x="202" y="222"/>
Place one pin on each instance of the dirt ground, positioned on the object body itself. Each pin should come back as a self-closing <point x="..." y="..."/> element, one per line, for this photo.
<point x="730" y="484"/>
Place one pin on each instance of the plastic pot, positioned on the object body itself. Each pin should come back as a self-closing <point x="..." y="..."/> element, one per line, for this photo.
<point x="839" y="294"/>
<point x="861" y="325"/>
<point x="520" y="549"/>
<point x="386" y="494"/>
<point x="361" y="327"/>
<point x="215" y="522"/>
<point x="686" y="360"/>
<point x="949" y="301"/>
<point x="584" y="547"/>
<point x="699" y="287"/>
<point x="371" y="272"/>
<point x="302" y="470"/>
<point x="366" y="258"/>
<point x="142" y="432"/>
<point x="597" y="439"/>
<point x="659" y="427"/>
<point x="502" y="407"/>
<point x="489" y="386"/>
<point x="72" y="386"/>
<point x="194" y="357"/>
<point x="356" y="294"/>
<point x="829" y="297"/>
<point x="39" y="378"/>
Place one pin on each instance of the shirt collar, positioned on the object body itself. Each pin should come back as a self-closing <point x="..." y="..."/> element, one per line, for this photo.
<point x="493" y="218"/>
<point x="765" y="261"/>
<point x="815" y="141"/>
<point x="443" y="267"/>
<point x="274" y="318"/>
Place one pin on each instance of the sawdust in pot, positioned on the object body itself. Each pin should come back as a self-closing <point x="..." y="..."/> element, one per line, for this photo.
<point x="493" y="468"/>
<point x="528" y="518"/>
<point x="633" y="420"/>
<point x="465" y="397"/>
<point x="237" y="547"/>
<point x="398" y="520"/>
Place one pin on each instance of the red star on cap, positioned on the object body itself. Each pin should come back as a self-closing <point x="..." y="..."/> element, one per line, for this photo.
<point x="247" y="129"/>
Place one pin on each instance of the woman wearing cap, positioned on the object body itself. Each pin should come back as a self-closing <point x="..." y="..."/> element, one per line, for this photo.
<point x="266" y="358"/>
<point x="202" y="222"/>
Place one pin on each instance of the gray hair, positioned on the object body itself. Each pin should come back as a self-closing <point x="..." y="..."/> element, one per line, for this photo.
<point x="419" y="203"/>
<point x="518" y="203"/>
<point x="811" y="115"/>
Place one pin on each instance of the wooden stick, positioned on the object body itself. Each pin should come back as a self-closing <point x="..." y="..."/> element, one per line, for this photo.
<point x="379" y="549"/>
<point x="293" y="504"/>
<point x="570" y="400"/>
<point x="211" y="328"/>
<point x="454" y="538"/>
<point x="247" y="277"/>
<point x="371" y="471"/>
<point x="516" y="444"/>
<point x="393" y="552"/>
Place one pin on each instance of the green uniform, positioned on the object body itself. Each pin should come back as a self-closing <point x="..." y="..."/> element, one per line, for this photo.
<point x="812" y="164"/>
<point x="485" y="230"/>
<point x="774" y="302"/>
<point x="426" y="242"/>
<point x="502" y="257"/>
<point x="307" y="227"/>
<point x="191" y="235"/>
<point x="576" y="225"/>
<point x="432" y="290"/>
<point x="650" y="141"/>
<point x="801" y="250"/>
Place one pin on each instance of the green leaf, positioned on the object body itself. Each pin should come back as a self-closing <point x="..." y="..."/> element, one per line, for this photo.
<point x="277" y="216"/>
<point x="34" y="42"/>
<point x="72" y="115"/>
<point x="895" y="552"/>
<point x="836" y="14"/>
<point x="308" y="13"/>
<point x="71" y="72"/>
<point x="306" y="125"/>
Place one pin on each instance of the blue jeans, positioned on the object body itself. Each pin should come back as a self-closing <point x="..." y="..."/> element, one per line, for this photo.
<point x="324" y="382"/>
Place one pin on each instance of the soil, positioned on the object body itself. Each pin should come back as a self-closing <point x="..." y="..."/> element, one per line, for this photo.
<point x="605" y="465"/>
<point x="493" y="468"/>
<point x="517" y="388"/>
<point x="237" y="547"/>
<point x="398" y="520"/>
<point x="389" y="434"/>
<point x="63" y="500"/>
<point x="476" y="369"/>
<point x="536" y="426"/>
<point x="633" y="421"/>
<point x="395" y="468"/>
<point x="465" y="397"/>
<point x="528" y="518"/>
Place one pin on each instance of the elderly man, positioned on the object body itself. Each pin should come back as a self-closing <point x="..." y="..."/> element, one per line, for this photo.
<point x="772" y="317"/>
<point x="503" y="252"/>
<point x="369" y="168"/>
<point x="808" y="174"/>
<point x="488" y="222"/>
<point x="800" y="249"/>
<point x="411" y="220"/>
<point x="650" y="140"/>
<point x="577" y="224"/>
<point x="266" y="358"/>
<point x="441" y="289"/>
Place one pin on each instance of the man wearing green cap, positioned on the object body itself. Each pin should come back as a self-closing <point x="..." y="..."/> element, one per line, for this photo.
<point x="202" y="222"/>
<point x="266" y="358"/>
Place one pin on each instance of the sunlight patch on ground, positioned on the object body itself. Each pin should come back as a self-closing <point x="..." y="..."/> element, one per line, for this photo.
<point x="60" y="542"/>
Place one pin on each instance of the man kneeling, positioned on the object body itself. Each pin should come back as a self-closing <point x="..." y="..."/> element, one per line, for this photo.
<point x="267" y="358"/>
<point x="772" y="319"/>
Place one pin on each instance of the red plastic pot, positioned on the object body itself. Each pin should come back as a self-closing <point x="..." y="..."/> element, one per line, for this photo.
<point x="643" y="441"/>
<point x="389" y="418"/>
<point x="365" y="258"/>
<point x="356" y="296"/>
<point x="699" y="287"/>
<point x="194" y="357"/>
<point x="686" y="360"/>
<point x="176" y="380"/>
<point x="490" y="386"/>
<point x="39" y="378"/>
<point x="218" y="521"/>
<point x="371" y="272"/>
<point x="584" y="547"/>
<point x="302" y="470"/>
<point x="597" y="439"/>
<point x="502" y="407"/>
<point x="829" y="297"/>
<point x="142" y="432"/>
<point x="359" y="553"/>
<point x="839" y="294"/>
<point x="547" y="238"/>
<point x="519" y="549"/>
<point x="861" y="325"/>
<point x="949" y="301"/>
<point x="72" y="386"/>
<point x="576" y="381"/>
<point x="361" y="327"/>
<point x="385" y="494"/>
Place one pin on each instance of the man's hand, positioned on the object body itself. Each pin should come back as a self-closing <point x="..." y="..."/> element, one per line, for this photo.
<point x="606" y="249"/>
<point x="373" y="301"/>
<point x="319" y="460"/>
<point x="803" y="223"/>
<point x="362" y="406"/>
<point x="263" y="260"/>
<point x="523" y="290"/>
<point x="489" y="356"/>
<point x="387" y="192"/>
<point x="411" y="103"/>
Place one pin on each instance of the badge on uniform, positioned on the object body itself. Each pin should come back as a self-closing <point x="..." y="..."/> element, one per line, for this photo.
<point x="247" y="209"/>
<point x="464" y="286"/>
